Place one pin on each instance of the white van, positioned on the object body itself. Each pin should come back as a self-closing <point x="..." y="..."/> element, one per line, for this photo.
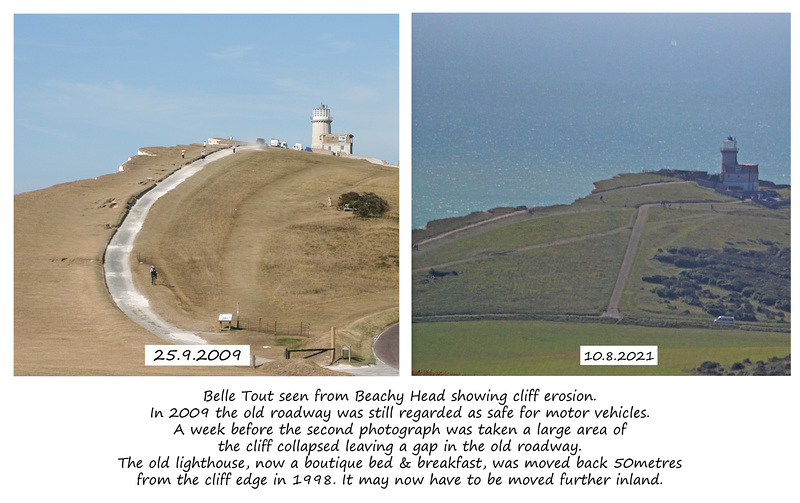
<point x="724" y="319"/>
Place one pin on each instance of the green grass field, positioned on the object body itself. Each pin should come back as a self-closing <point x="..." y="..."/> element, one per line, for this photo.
<point x="575" y="278"/>
<point x="681" y="192"/>
<point x="565" y="260"/>
<point x="630" y="180"/>
<point x="553" y="348"/>
<point x="523" y="234"/>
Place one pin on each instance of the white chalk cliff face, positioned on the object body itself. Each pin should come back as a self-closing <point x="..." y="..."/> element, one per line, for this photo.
<point x="140" y="152"/>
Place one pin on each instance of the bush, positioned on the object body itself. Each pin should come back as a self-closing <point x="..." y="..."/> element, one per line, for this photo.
<point x="658" y="279"/>
<point x="433" y="273"/>
<point x="761" y="276"/>
<point x="346" y="199"/>
<point x="364" y="205"/>
<point x="371" y="205"/>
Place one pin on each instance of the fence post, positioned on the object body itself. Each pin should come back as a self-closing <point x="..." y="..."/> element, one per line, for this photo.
<point x="333" y="345"/>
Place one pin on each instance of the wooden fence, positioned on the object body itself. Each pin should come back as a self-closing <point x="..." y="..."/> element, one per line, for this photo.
<point x="274" y="327"/>
<point x="263" y="325"/>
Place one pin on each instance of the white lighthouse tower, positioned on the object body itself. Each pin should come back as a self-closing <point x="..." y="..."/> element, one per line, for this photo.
<point x="729" y="154"/>
<point x="320" y="125"/>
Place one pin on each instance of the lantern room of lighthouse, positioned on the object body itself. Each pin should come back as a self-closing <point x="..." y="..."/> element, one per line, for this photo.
<point x="320" y="125"/>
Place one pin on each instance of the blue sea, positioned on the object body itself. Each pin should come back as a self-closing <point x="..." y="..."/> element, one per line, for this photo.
<point x="533" y="108"/>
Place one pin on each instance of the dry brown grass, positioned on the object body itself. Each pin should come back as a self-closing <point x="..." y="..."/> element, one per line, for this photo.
<point x="255" y="229"/>
<point x="65" y="323"/>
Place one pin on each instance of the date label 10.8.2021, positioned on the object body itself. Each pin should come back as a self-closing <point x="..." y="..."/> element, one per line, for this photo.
<point x="619" y="355"/>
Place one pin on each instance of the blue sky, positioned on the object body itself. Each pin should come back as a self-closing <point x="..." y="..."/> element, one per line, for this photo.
<point x="90" y="90"/>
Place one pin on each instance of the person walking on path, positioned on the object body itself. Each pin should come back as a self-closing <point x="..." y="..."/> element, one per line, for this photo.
<point x="153" y="275"/>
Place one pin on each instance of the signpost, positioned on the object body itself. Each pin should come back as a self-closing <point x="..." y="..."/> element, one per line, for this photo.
<point x="225" y="318"/>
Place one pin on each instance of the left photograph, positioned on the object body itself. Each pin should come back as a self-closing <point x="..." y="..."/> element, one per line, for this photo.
<point x="206" y="195"/>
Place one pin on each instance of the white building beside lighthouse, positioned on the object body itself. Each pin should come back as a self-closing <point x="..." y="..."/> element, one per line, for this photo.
<point x="322" y="140"/>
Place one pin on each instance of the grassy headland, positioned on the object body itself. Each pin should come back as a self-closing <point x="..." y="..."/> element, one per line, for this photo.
<point x="562" y="262"/>
<point x="65" y="323"/>
<point x="255" y="229"/>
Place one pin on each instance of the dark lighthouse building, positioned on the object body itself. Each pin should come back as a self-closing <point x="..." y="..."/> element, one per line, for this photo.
<point x="737" y="176"/>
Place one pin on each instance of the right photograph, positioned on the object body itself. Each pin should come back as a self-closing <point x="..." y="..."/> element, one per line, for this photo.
<point x="601" y="194"/>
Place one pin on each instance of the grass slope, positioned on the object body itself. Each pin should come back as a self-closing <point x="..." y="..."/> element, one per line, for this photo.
<point x="65" y="323"/>
<point x="553" y="348"/>
<point x="254" y="229"/>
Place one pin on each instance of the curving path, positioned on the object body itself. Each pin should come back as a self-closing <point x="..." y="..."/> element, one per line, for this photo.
<point x="387" y="346"/>
<point x="117" y="267"/>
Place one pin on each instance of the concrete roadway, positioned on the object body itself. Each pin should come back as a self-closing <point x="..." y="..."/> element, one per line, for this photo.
<point x="119" y="277"/>
<point x="386" y="348"/>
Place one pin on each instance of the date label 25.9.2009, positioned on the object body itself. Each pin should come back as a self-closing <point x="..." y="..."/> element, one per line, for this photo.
<point x="619" y="355"/>
<point x="197" y="355"/>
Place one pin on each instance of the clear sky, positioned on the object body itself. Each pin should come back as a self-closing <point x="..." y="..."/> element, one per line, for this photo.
<point x="90" y="90"/>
